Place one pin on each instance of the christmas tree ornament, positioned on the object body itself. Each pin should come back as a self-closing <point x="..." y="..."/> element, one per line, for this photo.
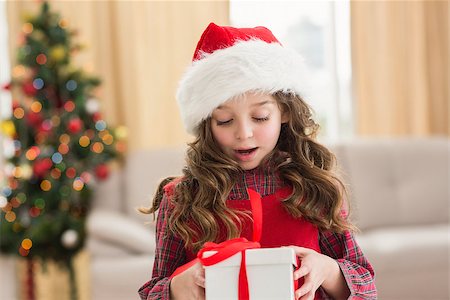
<point x="78" y="184"/>
<point x="8" y="153"/>
<point x="8" y="128"/>
<point x="57" y="53"/>
<point x="97" y="147"/>
<point x="64" y="138"/>
<point x="19" y="72"/>
<point x="74" y="126"/>
<point x="101" y="171"/>
<point x="71" y="85"/>
<point x="9" y="167"/>
<point x="46" y="126"/>
<point x="26" y="244"/>
<point x="32" y="153"/>
<point x="92" y="106"/>
<point x="36" y="106"/>
<point x="3" y="201"/>
<point x="29" y="89"/>
<point x="63" y="149"/>
<point x="46" y="186"/>
<point x="57" y="158"/>
<point x="86" y="176"/>
<point x="55" y="173"/>
<point x="27" y="171"/>
<point x="84" y="141"/>
<point x="69" y="238"/>
<point x="41" y="59"/>
<point x="42" y="166"/>
<point x="71" y="172"/>
<point x="34" y="119"/>
<point x="121" y="132"/>
<point x="19" y="113"/>
<point x="38" y="83"/>
<point x="56" y="120"/>
<point x="69" y="106"/>
<point x="63" y="23"/>
<point x="100" y="125"/>
<point x="97" y="116"/>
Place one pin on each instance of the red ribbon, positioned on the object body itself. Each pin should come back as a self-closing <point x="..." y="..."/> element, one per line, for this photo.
<point x="226" y="250"/>
<point x="229" y="248"/>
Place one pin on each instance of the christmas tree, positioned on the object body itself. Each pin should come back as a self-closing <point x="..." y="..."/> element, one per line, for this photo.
<point x="62" y="146"/>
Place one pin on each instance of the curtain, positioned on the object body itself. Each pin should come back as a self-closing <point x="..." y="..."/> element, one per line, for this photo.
<point x="400" y="67"/>
<point x="139" y="49"/>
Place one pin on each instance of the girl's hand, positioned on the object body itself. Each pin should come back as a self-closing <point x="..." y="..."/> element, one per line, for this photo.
<point x="317" y="269"/>
<point x="189" y="285"/>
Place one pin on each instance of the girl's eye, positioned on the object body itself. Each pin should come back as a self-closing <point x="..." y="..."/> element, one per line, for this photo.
<point x="221" y="123"/>
<point x="261" y="119"/>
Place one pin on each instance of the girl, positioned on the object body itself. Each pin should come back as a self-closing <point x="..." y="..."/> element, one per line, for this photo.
<point x="241" y="98"/>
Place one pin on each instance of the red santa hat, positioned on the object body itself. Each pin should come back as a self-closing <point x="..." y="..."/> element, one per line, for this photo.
<point x="230" y="61"/>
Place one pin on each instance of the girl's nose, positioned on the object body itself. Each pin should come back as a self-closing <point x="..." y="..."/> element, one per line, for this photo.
<point x="244" y="131"/>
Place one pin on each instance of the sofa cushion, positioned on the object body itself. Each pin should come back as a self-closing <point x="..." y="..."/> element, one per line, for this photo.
<point x="124" y="233"/>
<point x="397" y="182"/>
<point x="403" y="255"/>
<point x="104" y="248"/>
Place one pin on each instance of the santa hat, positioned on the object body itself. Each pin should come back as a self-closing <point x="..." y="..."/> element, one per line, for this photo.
<point x="230" y="61"/>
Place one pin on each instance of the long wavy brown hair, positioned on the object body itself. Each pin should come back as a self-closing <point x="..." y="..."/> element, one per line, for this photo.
<point x="199" y="201"/>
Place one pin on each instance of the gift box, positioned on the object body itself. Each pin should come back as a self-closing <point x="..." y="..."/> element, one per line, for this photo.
<point x="269" y="275"/>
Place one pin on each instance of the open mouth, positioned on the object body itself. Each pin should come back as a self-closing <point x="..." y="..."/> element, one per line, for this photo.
<point x="246" y="151"/>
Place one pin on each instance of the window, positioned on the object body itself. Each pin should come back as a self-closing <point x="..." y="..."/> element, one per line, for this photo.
<point x="320" y="32"/>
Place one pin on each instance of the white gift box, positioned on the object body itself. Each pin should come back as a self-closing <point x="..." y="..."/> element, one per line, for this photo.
<point x="269" y="273"/>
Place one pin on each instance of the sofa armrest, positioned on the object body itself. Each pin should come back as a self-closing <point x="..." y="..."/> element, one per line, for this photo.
<point x="118" y="230"/>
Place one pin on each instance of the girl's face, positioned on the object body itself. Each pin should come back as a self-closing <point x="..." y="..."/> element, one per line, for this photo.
<point x="247" y="128"/>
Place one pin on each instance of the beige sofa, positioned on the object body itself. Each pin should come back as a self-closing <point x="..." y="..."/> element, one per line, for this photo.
<point x="400" y="195"/>
<point x="400" y="192"/>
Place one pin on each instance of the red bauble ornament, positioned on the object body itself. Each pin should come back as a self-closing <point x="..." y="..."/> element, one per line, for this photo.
<point x="46" y="126"/>
<point x="74" y="125"/>
<point x="15" y="104"/>
<point x="96" y="116"/>
<point x="101" y="171"/>
<point x="34" y="119"/>
<point x="29" y="89"/>
<point x="42" y="166"/>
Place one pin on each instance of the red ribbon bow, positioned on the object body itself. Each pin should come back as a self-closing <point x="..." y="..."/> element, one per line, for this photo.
<point x="231" y="247"/>
<point x="226" y="250"/>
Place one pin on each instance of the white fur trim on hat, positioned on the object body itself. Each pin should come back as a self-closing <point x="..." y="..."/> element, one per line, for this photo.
<point x="252" y="65"/>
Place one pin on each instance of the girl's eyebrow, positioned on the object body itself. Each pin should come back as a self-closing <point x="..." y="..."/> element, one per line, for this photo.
<point x="262" y="103"/>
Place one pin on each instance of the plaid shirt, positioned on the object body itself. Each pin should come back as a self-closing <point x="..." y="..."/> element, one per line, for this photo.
<point x="170" y="252"/>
